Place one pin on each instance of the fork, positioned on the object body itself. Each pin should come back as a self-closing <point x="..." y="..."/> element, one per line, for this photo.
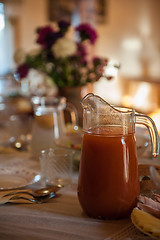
<point x="42" y="192"/>
<point x="41" y="199"/>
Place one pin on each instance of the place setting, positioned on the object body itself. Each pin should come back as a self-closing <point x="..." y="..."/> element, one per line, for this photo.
<point x="40" y="149"/>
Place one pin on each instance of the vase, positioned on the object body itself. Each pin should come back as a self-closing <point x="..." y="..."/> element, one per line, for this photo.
<point x="74" y="95"/>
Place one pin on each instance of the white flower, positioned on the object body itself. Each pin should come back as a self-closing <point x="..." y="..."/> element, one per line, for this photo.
<point x="35" y="77"/>
<point x="19" y="56"/>
<point x="64" y="47"/>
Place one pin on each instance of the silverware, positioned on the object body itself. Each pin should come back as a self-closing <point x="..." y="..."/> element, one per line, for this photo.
<point x="37" y="196"/>
<point x="38" y="193"/>
<point x="18" y="145"/>
<point x="41" y="199"/>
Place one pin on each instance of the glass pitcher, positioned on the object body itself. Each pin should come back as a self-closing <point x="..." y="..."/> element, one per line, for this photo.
<point x="108" y="185"/>
<point x="49" y="121"/>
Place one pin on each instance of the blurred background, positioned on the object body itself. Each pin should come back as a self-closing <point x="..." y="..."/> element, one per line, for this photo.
<point x="128" y="35"/>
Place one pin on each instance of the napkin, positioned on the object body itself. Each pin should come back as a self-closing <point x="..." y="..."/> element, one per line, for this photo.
<point x="149" y="205"/>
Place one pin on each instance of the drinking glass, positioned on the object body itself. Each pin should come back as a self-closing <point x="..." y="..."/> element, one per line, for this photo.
<point x="56" y="166"/>
<point x="49" y="122"/>
<point x="20" y="126"/>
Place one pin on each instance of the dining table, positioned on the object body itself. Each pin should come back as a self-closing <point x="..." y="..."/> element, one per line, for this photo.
<point x="61" y="217"/>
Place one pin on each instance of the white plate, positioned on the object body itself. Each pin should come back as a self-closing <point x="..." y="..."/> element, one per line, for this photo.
<point x="12" y="177"/>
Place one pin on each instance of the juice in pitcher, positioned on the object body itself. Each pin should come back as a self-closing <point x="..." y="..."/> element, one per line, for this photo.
<point x="108" y="178"/>
<point x="108" y="185"/>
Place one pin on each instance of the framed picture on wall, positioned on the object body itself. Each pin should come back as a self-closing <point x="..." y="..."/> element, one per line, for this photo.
<point x="101" y="11"/>
<point x="60" y="9"/>
<point x="92" y="11"/>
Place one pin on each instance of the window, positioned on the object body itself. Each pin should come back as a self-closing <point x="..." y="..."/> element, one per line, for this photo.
<point x="2" y="21"/>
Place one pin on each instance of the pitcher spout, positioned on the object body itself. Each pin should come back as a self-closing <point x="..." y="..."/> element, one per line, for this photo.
<point x="93" y="102"/>
<point x="87" y="100"/>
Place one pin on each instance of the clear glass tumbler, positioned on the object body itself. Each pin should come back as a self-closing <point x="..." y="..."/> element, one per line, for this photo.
<point x="56" y="166"/>
<point x="20" y="126"/>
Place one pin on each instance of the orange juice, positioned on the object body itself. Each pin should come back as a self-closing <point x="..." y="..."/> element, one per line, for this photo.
<point x="42" y="133"/>
<point x="45" y="121"/>
<point x="108" y="184"/>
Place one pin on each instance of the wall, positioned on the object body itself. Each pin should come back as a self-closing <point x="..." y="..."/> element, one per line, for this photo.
<point x="131" y="35"/>
<point x="22" y="18"/>
<point x="35" y="15"/>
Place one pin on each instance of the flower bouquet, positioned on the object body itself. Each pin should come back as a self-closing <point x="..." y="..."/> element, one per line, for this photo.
<point x="65" y="55"/>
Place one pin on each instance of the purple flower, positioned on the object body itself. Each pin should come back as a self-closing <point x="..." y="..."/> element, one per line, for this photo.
<point x="87" y="32"/>
<point x="81" y="50"/>
<point x="63" y="25"/>
<point x="80" y="54"/>
<point x="43" y="33"/>
<point x="47" y="36"/>
<point x="51" y="38"/>
<point x="97" y="60"/>
<point x="22" y="70"/>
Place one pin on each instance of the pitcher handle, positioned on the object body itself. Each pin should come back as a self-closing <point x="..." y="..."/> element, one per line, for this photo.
<point x="73" y="112"/>
<point x="149" y="123"/>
